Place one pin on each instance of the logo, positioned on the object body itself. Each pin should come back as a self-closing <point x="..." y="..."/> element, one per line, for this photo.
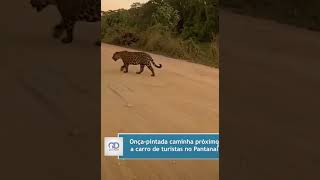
<point x="113" y="146"/>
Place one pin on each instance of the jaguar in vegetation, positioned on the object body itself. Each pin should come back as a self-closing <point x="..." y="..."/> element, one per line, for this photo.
<point x="135" y="58"/>
<point x="71" y="11"/>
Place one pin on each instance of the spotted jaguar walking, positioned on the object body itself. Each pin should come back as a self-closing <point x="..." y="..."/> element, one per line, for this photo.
<point x="71" y="11"/>
<point x="135" y="58"/>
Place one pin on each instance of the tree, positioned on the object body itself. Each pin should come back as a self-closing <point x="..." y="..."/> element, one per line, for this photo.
<point x="166" y="15"/>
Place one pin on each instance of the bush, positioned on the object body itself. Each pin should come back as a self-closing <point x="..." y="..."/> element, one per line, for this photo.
<point x="177" y="28"/>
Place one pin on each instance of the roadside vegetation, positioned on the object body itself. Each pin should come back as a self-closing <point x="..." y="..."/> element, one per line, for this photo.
<point x="185" y="29"/>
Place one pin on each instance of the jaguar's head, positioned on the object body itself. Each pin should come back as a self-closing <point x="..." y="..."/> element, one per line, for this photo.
<point x="116" y="56"/>
<point x="39" y="4"/>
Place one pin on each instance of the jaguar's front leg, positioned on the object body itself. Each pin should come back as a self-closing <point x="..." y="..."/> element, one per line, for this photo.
<point x="122" y="67"/>
<point x="58" y="30"/>
<point x="126" y="66"/>
<point x="69" y="26"/>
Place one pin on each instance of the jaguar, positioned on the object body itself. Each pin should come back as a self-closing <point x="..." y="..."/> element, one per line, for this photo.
<point x="135" y="58"/>
<point x="71" y="11"/>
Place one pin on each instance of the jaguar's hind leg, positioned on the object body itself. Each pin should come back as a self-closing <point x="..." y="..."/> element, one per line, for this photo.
<point x="141" y="69"/>
<point x="69" y="25"/>
<point x="58" y="30"/>
<point x="151" y="69"/>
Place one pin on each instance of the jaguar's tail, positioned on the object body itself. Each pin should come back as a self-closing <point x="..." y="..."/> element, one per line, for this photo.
<point x="158" y="66"/>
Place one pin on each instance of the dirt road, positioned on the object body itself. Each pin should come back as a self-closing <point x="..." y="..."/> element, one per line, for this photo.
<point x="182" y="97"/>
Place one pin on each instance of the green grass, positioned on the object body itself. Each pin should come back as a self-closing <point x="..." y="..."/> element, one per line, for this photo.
<point x="161" y="42"/>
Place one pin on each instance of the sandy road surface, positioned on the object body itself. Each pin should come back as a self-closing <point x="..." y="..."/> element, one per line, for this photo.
<point x="182" y="97"/>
